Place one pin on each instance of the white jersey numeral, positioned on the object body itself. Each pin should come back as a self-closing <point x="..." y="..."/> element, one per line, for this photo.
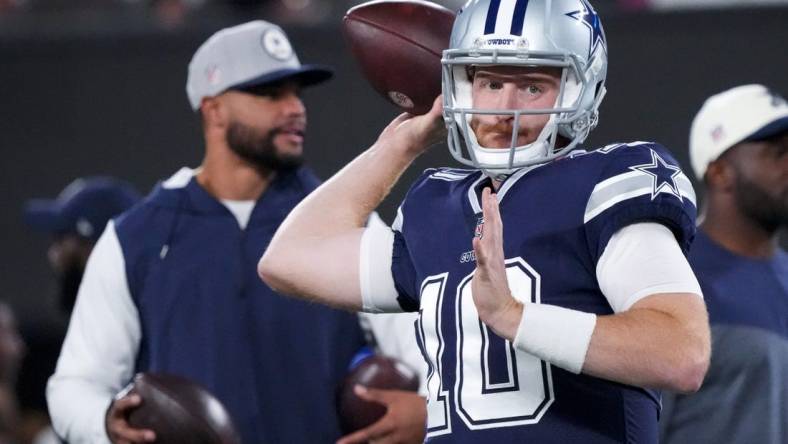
<point x="432" y="297"/>
<point x="521" y="392"/>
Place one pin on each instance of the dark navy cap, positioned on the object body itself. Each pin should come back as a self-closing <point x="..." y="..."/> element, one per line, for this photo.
<point x="84" y="207"/>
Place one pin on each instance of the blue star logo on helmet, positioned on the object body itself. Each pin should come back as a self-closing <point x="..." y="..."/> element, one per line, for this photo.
<point x="588" y="17"/>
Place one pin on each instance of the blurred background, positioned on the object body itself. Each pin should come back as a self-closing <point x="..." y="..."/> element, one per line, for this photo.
<point x="96" y="87"/>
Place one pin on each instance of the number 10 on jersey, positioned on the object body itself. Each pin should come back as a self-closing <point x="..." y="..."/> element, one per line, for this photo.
<point x="495" y="385"/>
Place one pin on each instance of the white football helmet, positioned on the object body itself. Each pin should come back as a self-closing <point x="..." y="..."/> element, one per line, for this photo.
<point x="566" y="34"/>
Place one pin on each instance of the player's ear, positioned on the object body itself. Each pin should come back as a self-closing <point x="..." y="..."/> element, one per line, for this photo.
<point x="213" y="112"/>
<point x="720" y="175"/>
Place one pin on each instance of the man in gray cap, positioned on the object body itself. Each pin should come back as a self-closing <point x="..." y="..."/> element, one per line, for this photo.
<point x="171" y="285"/>
<point x="739" y="149"/>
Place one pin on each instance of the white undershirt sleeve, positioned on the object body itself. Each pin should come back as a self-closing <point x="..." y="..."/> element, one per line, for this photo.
<point x="640" y="260"/>
<point x="395" y="336"/>
<point x="100" y="348"/>
<point x="378" y="292"/>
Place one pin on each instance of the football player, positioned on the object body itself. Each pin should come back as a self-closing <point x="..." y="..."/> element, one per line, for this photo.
<point x="554" y="294"/>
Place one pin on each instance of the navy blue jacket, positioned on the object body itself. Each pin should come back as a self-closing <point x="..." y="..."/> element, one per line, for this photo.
<point x="205" y="314"/>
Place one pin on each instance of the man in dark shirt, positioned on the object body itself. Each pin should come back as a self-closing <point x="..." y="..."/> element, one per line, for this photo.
<point x="171" y="284"/>
<point x="739" y="149"/>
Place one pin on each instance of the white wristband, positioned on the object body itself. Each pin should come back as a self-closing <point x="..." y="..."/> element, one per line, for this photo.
<point x="555" y="334"/>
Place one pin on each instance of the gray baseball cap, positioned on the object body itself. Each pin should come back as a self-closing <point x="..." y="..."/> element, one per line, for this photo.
<point x="246" y="55"/>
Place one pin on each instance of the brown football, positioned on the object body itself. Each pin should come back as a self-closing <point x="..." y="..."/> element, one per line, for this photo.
<point x="375" y="371"/>
<point x="180" y="411"/>
<point x="398" y="45"/>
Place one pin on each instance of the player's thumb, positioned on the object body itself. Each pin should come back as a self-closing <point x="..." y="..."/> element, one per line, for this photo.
<point x="370" y="394"/>
<point x="438" y="126"/>
<point x="480" y="252"/>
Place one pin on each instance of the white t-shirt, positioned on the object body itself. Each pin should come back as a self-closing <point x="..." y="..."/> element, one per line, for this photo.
<point x="241" y="209"/>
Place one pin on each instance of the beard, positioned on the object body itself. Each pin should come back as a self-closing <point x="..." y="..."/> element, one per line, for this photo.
<point x="258" y="148"/>
<point x="68" y="283"/>
<point x="768" y="211"/>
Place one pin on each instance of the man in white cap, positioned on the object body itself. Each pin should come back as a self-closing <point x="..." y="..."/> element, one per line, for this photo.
<point x="739" y="149"/>
<point x="171" y="285"/>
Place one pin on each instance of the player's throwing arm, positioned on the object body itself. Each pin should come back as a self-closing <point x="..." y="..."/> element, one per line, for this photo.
<point x="315" y="252"/>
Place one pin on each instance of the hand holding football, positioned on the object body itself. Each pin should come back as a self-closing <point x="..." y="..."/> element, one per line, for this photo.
<point x="375" y="371"/>
<point x="179" y="411"/>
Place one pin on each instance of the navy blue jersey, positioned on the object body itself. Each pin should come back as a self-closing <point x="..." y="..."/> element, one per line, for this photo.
<point x="557" y="220"/>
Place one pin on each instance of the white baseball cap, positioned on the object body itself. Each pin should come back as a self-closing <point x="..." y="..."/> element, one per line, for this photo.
<point x="741" y="114"/>
<point x="246" y="55"/>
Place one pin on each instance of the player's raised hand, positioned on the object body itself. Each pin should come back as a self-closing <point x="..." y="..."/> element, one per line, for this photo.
<point x="404" y="422"/>
<point x="491" y="295"/>
<point x="416" y="133"/>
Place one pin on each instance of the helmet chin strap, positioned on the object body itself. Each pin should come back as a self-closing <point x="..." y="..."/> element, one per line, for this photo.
<point x="500" y="156"/>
